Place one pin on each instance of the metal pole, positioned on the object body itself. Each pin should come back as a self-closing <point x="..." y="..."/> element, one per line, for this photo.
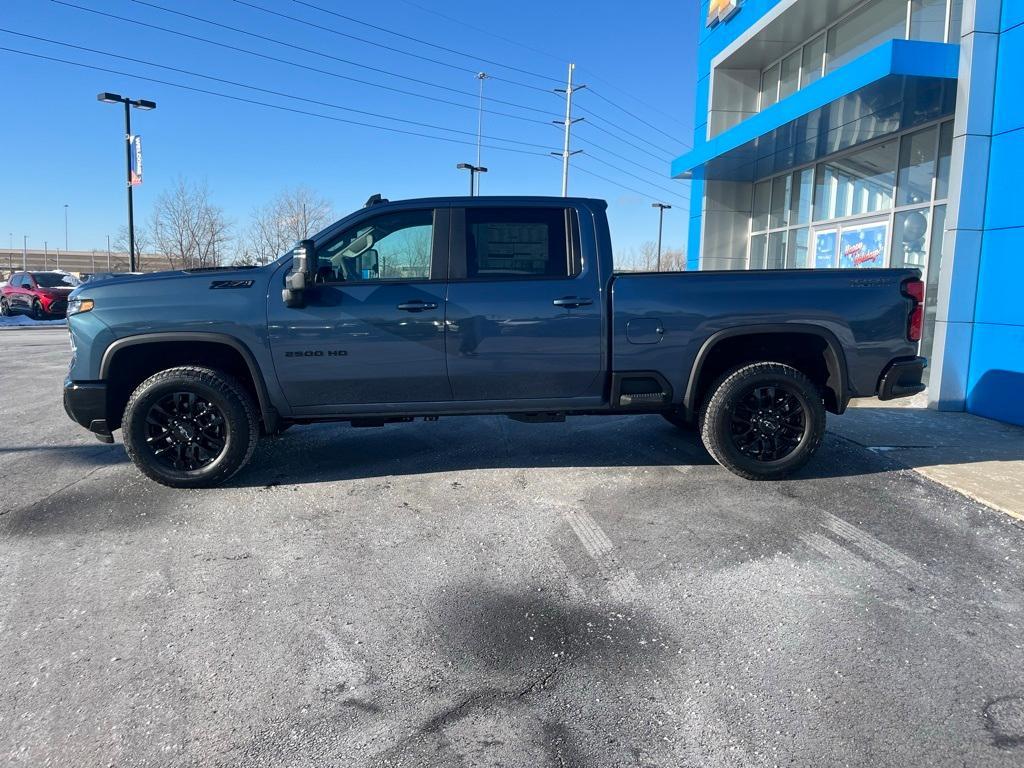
<point x="661" y="221"/>
<point x="128" y="178"/>
<point x="472" y="181"/>
<point x="46" y="253"/>
<point x="481" y="76"/>
<point x="566" y="153"/>
<point x="108" y="253"/>
<point x="65" y="226"/>
<point x="24" y="254"/>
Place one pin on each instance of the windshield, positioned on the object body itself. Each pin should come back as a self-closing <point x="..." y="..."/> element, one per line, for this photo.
<point x="54" y="279"/>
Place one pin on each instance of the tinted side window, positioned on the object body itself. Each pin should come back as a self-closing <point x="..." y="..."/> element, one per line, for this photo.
<point x="392" y="246"/>
<point x="518" y="243"/>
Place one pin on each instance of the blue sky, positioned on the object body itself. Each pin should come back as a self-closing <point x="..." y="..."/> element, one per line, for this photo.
<point x="59" y="145"/>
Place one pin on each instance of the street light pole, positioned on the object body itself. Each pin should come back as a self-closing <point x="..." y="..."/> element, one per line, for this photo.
<point x="113" y="98"/>
<point x="473" y="171"/>
<point x="481" y="76"/>
<point x="65" y="227"/>
<point x="662" y="207"/>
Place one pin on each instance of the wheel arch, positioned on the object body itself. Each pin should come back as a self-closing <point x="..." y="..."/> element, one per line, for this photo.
<point x="734" y="346"/>
<point x="167" y="350"/>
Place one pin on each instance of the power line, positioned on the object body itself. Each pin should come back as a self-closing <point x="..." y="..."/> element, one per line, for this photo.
<point x="416" y="40"/>
<point x="598" y="127"/>
<point x="638" y="118"/>
<point x="271" y="92"/>
<point x="560" y="59"/>
<point x="256" y="102"/>
<point x="615" y="183"/>
<point x="595" y="145"/>
<point x="638" y="178"/>
<point x="628" y="132"/>
<point x="285" y="43"/>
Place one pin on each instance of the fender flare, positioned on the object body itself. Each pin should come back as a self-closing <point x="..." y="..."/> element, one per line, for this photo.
<point x="835" y="358"/>
<point x="268" y="413"/>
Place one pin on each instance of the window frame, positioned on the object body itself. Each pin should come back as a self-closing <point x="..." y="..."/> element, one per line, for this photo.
<point x="458" y="269"/>
<point x="440" y="228"/>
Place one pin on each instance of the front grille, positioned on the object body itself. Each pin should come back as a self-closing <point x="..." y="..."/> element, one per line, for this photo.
<point x="59" y="308"/>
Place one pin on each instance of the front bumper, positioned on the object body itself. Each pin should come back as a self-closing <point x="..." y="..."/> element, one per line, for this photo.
<point x="902" y="378"/>
<point x="86" y="403"/>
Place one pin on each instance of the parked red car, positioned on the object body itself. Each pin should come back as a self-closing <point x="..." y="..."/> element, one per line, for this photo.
<point x="39" y="294"/>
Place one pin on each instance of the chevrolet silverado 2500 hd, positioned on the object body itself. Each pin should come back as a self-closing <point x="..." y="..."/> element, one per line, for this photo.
<point x="503" y="305"/>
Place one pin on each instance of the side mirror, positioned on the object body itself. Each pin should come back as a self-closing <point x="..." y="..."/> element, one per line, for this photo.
<point x="304" y="266"/>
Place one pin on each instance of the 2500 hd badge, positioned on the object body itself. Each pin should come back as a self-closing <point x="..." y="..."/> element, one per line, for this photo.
<point x="317" y="353"/>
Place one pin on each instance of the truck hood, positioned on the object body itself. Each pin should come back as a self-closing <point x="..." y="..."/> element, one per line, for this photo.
<point x="189" y="279"/>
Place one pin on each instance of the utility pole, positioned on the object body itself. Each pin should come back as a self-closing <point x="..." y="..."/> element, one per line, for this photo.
<point x="662" y="207"/>
<point x="566" y="154"/>
<point x="46" y="253"/>
<point x="24" y="254"/>
<point x="65" y="227"/>
<point x="481" y="76"/>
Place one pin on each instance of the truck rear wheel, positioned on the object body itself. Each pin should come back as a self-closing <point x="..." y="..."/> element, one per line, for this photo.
<point x="763" y="421"/>
<point x="190" y="427"/>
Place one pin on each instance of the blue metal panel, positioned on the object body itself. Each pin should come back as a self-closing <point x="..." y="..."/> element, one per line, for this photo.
<point x="1003" y="208"/>
<point x="899" y="84"/>
<point x="1013" y="14"/>
<point x="1000" y="277"/>
<point x="1009" y="107"/>
<point x="997" y="372"/>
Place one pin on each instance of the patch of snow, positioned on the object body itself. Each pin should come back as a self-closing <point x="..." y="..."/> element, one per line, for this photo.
<point x="24" y="321"/>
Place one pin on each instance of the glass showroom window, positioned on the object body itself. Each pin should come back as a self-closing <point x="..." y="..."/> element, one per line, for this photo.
<point x="872" y="207"/>
<point x="866" y="27"/>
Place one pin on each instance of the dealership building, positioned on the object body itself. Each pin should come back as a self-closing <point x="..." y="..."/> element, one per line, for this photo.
<point x="859" y="134"/>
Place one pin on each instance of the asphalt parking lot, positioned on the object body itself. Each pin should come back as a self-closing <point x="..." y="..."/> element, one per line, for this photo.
<point x="479" y="592"/>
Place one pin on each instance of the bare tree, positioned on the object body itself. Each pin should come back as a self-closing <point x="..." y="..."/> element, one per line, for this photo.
<point x="645" y="259"/>
<point x="142" y="244"/>
<point x="294" y="215"/>
<point x="188" y="229"/>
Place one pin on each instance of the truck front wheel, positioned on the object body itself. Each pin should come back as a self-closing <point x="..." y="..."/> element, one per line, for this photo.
<point x="190" y="427"/>
<point x="763" y="421"/>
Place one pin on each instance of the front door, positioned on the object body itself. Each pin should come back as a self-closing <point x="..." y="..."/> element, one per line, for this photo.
<point x="524" y="311"/>
<point x="372" y="330"/>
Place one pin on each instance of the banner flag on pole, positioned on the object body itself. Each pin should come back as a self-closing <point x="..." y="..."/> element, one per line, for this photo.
<point x="136" y="161"/>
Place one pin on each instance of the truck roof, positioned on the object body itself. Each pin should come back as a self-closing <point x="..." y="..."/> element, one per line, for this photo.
<point x="496" y="200"/>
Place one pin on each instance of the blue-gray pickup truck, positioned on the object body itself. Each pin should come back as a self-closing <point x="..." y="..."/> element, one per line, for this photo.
<point x="500" y="305"/>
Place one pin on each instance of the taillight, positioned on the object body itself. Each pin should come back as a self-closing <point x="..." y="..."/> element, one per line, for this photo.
<point x="914" y="289"/>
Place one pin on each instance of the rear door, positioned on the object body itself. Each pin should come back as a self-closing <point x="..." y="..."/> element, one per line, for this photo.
<point x="524" y="312"/>
<point x="372" y="332"/>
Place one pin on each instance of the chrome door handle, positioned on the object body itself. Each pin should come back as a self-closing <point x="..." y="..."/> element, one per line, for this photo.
<point x="572" y="302"/>
<point x="417" y="306"/>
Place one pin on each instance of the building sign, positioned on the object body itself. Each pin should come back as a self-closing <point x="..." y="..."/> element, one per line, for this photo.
<point x="136" y="154"/>
<point x="864" y="246"/>
<point x="721" y="10"/>
<point x="825" y="249"/>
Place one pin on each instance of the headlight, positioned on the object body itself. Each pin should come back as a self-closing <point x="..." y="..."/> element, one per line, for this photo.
<point x="77" y="306"/>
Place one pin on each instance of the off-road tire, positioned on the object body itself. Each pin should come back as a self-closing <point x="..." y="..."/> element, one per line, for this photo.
<point x="37" y="310"/>
<point x="220" y="390"/>
<point x="715" y="419"/>
<point x="5" y="308"/>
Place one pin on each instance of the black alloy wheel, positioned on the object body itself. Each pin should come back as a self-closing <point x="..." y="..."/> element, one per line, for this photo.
<point x="768" y="422"/>
<point x="185" y="432"/>
<point x="190" y="427"/>
<point x="763" y="421"/>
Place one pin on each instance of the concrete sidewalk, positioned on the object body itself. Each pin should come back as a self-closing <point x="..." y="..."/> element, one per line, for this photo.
<point x="978" y="457"/>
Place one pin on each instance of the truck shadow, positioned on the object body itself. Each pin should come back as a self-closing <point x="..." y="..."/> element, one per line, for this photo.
<point x="333" y="452"/>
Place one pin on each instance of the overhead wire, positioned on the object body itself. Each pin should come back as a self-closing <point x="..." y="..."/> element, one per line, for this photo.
<point x="378" y="70"/>
<point x="248" y="86"/>
<point x="268" y="105"/>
